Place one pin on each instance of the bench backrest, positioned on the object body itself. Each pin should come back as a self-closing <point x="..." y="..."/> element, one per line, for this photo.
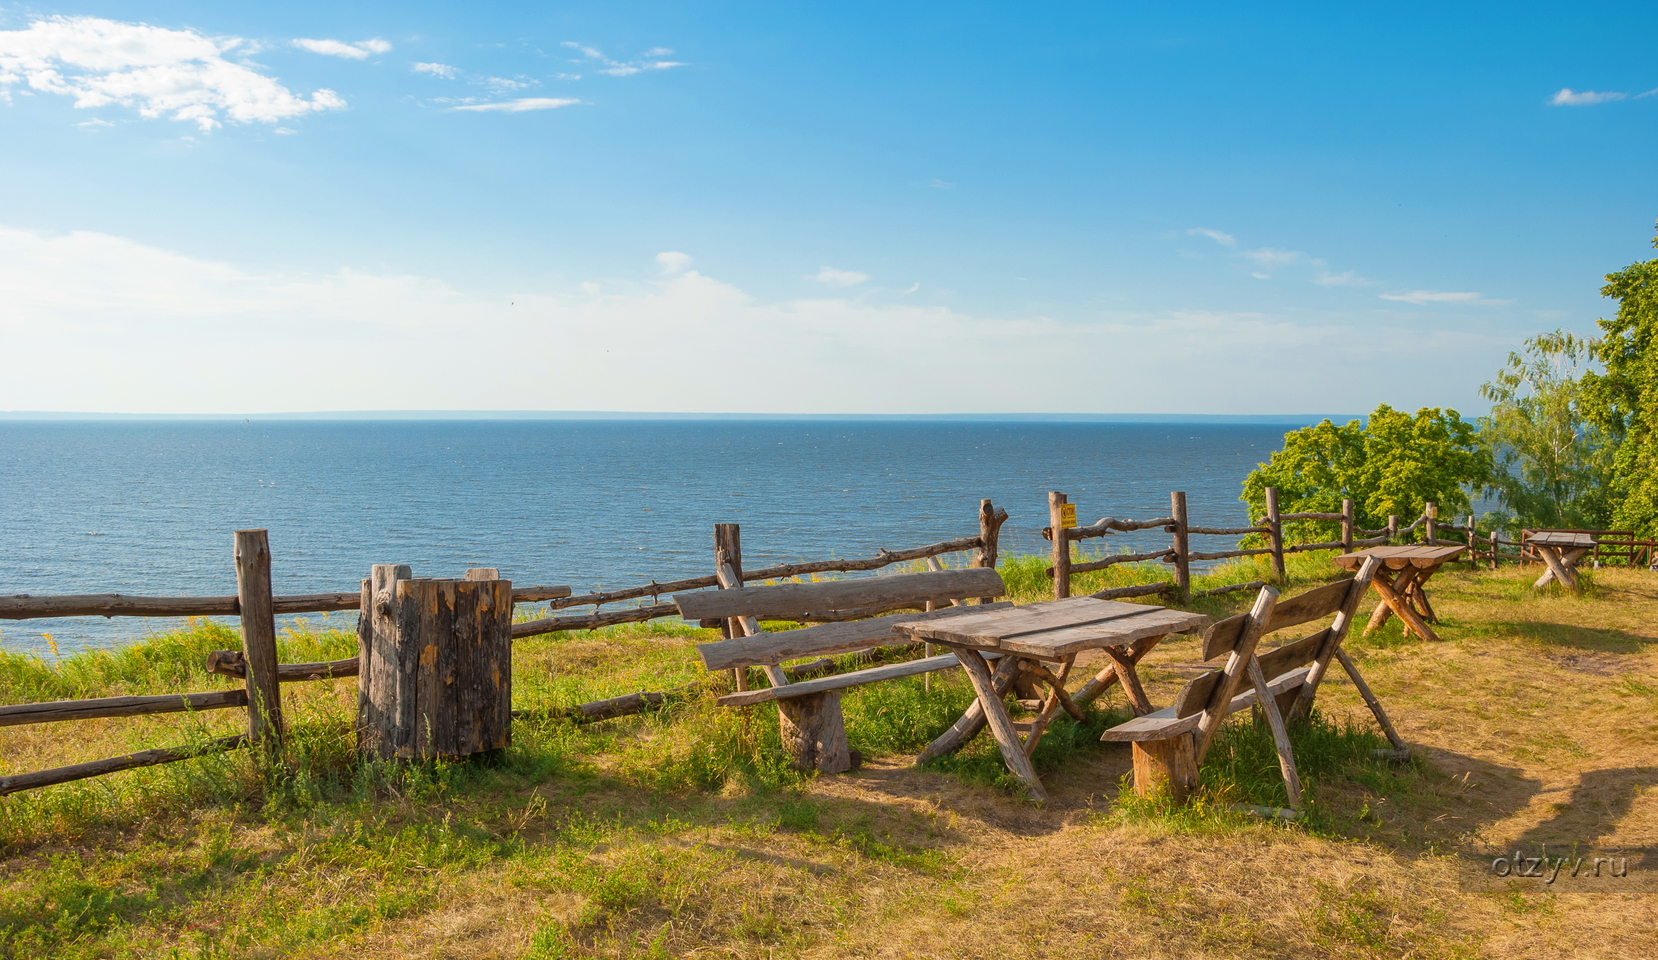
<point x="1237" y="637"/>
<point x="829" y="600"/>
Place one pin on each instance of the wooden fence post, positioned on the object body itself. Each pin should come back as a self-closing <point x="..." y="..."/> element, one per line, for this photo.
<point x="728" y="537"/>
<point x="258" y="616"/>
<point x="1182" y="546"/>
<point x="1392" y="527"/>
<point x="1276" y="532"/>
<point x="1347" y="526"/>
<point x="1494" y="547"/>
<point x="990" y="532"/>
<point x="1473" y="546"/>
<point x="1062" y="544"/>
<point x="377" y="647"/>
<point x="1431" y="529"/>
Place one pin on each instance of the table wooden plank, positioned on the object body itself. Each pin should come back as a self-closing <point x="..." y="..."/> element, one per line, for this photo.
<point x="1555" y="538"/>
<point x="1397" y="558"/>
<point x="972" y="629"/>
<point x="1057" y="644"/>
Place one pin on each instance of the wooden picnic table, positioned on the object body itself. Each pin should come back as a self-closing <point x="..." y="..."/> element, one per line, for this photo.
<point x="1027" y="639"/>
<point x="1399" y="581"/>
<point x="1560" y="552"/>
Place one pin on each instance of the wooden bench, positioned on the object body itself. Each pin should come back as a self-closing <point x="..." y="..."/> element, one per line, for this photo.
<point x="1169" y="744"/>
<point x="809" y="711"/>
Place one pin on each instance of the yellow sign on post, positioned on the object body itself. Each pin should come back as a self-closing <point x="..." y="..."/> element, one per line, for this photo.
<point x="1067" y="515"/>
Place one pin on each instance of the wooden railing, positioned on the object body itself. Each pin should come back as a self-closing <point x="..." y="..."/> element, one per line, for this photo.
<point x="1180" y="554"/>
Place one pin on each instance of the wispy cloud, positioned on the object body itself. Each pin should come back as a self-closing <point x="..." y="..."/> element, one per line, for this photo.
<point x="1346" y="278"/>
<point x="361" y="50"/>
<point x="508" y="85"/>
<point x="1271" y="257"/>
<point x="1567" y="97"/>
<point x="938" y="184"/>
<point x="443" y="70"/>
<point x="1224" y="239"/>
<point x="159" y="72"/>
<point x="840" y="278"/>
<point x="623" y="68"/>
<point x="520" y="105"/>
<point x="1439" y="296"/>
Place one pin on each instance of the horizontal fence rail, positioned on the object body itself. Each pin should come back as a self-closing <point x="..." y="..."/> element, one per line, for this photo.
<point x="23" y="606"/>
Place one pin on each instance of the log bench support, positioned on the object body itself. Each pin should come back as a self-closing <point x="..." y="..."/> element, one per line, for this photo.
<point x="1165" y="767"/>
<point x="814" y="732"/>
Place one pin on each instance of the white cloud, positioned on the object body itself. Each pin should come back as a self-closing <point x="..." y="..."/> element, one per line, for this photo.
<point x="443" y="70"/>
<point x="1438" y="296"/>
<point x="351" y="51"/>
<point x="1261" y="276"/>
<point x="840" y="278"/>
<point x="938" y="184"/>
<point x="1224" y="239"/>
<point x="158" y="71"/>
<point x="1567" y="97"/>
<point x="505" y="85"/>
<point x="109" y="324"/>
<point x="1269" y="257"/>
<point x="910" y="289"/>
<point x="520" y="105"/>
<point x="1346" y="278"/>
<point x="94" y="122"/>
<point x="619" y="68"/>
<point x="673" y="262"/>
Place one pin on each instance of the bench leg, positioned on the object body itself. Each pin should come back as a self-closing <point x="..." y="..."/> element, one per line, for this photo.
<point x="814" y="732"/>
<point x="1165" y="766"/>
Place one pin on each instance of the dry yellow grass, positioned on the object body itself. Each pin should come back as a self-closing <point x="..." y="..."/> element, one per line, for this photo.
<point x="1537" y="717"/>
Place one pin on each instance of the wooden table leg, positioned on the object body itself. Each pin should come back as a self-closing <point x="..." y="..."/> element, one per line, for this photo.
<point x="1379" y="616"/>
<point x="1130" y="680"/>
<point x="971" y="722"/>
<point x="1402" y="610"/>
<point x="1102" y="681"/>
<point x="1561" y="566"/>
<point x="1001" y="725"/>
<point x="1056" y="698"/>
<point x="1418" y="592"/>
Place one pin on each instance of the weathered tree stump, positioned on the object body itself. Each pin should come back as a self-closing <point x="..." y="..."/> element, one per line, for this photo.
<point x="1167" y="766"/>
<point x="814" y="733"/>
<point x="436" y="665"/>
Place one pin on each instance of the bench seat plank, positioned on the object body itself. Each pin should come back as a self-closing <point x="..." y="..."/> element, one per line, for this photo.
<point x="1163" y="724"/>
<point x="825" y="639"/>
<point x="839" y="681"/>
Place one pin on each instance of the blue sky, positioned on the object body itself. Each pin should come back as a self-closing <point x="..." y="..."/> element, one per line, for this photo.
<point x="861" y="208"/>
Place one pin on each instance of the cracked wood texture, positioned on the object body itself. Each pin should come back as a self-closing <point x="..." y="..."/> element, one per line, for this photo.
<point x="438" y="654"/>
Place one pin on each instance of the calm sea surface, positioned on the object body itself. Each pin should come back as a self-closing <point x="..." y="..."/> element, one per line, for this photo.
<point x="149" y="507"/>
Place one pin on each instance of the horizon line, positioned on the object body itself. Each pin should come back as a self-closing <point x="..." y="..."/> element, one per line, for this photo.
<point x="1263" y="418"/>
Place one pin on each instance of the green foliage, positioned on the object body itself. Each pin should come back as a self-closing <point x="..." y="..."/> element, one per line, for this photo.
<point x="1553" y="466"/>
<point x="1623" y="401"/>
<point x="1392" y="465"/>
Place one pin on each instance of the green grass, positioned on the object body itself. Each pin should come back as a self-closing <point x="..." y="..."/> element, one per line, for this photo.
<point x="623" y="838"/>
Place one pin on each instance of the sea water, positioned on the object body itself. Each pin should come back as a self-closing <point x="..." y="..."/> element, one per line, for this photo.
<point x="148" y="507"/>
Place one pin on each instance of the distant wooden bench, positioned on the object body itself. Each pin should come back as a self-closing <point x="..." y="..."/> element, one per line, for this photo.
<point x="814" y="733"/>
<point x="1169" y="744"/>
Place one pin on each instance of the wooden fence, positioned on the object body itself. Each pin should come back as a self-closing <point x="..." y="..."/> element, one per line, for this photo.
<point x="256" y="663"/>
<point x="1063" y="532"/>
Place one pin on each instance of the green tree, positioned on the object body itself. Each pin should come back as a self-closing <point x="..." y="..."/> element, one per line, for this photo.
<point x="1553" y="466"/>
<point x="1392" y="464"/>
<point x="1623" y="400"/>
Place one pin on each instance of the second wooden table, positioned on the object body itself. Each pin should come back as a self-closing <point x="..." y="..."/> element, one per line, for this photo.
<point x="1399" y="581"/>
